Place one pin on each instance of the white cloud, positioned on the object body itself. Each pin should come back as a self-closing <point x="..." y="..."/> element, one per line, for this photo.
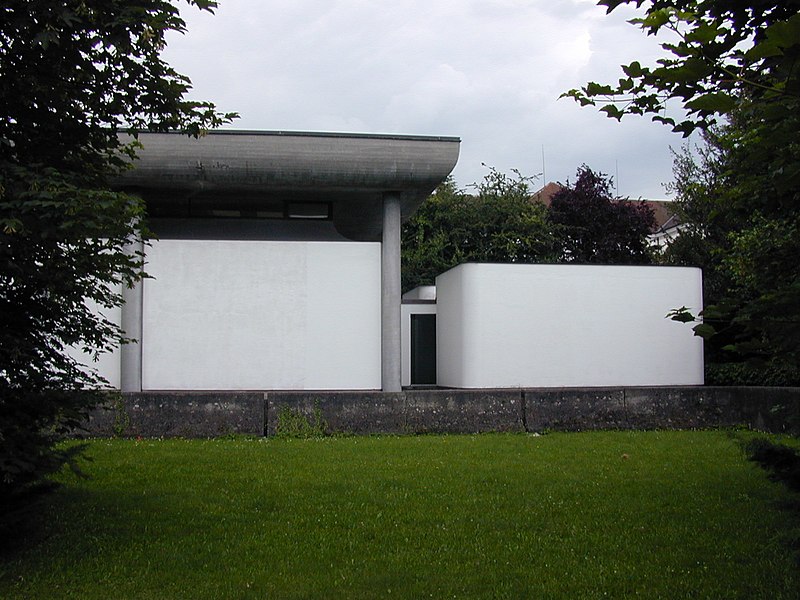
<point x="489" y="71"/>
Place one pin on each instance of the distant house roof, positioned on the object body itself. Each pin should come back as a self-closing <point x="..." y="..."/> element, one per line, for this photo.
<point x="545" y="195"/>
<point x="663" y="211"/>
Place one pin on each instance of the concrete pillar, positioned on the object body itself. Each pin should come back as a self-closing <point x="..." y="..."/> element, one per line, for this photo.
<point x="131" y="322"/>
<point x="390" y="294"/>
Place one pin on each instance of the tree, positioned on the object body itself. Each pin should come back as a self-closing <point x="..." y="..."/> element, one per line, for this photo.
<point x="499" y="224"/>
<point x="722" y="53"/>
<point x="593" y="227"/>
<point x="699" y="198"/>
<point x="743" y="231"/>
<point x="75" y="73"/>
<point x="735" y="65"/>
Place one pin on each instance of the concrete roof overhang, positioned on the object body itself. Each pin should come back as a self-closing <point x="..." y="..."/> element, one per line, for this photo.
<point x="352" y="172"/>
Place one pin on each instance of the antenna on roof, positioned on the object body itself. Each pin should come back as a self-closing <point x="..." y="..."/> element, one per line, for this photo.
<point x="616" y="178"/>
<point x="544" y="171"/>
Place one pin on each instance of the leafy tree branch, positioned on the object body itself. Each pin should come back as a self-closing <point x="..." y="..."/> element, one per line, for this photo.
<point x="75" y="75"/>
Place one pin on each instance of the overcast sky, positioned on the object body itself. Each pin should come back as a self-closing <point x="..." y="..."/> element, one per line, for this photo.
<point x="487" y="71"/>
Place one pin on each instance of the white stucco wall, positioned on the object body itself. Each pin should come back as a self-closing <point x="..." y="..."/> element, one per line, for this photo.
<point x="566" y="325"/>
<point x="234" y="315"/>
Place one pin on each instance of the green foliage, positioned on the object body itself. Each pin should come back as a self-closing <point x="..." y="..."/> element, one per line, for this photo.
<point x="294" y="423"/>
<point x="75" y="74"/>
<point x="122" y="420"/>
<point x="499" y="224"/>
<point x="743" y="219"/>
<point x="719" y="53"/>
<point x="744" y="374"/>
<point x="591" y="226"/>
<point x="702" y="205"/>
<point x="502" y="223"/>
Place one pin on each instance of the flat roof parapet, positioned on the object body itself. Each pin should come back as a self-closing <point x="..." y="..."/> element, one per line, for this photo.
<point x="351" y="171"/>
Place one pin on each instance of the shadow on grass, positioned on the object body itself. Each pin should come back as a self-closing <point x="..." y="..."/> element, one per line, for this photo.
<point x="781" y="461"/>
<point x="782" y="464"/>
<point x="77" y="523"/>
<point x="22" y="519"/>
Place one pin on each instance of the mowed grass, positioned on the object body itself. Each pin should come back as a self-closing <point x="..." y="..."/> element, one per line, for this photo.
<point x="588" y="515"/>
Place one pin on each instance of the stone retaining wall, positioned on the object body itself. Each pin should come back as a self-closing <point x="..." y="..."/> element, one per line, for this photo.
<point x="208" y="414"/>
<point x="180" y="414"/>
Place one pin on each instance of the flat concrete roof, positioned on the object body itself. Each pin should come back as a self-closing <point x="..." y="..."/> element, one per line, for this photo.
<point x="255" y="169"/>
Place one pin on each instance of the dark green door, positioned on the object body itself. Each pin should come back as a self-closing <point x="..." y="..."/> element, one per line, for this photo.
<point x="423" y="349"/>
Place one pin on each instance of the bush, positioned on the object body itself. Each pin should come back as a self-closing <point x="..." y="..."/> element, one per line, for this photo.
<point x="733" y="374"/>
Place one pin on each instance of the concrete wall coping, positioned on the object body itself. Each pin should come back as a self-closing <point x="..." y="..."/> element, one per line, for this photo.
<point x="208" y="414"/>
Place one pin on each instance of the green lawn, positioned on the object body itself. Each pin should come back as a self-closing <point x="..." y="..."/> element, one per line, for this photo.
<point x="589" y="515"/>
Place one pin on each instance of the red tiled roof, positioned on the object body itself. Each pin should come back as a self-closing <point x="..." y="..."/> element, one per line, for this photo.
<point x="545" y="195"/>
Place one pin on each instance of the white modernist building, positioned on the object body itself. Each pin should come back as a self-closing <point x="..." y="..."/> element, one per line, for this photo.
<point x="566" y="325"/>
<point x="522" y="326"/>
<point x="276" y="263"/>
<point x="276" y="266"/>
